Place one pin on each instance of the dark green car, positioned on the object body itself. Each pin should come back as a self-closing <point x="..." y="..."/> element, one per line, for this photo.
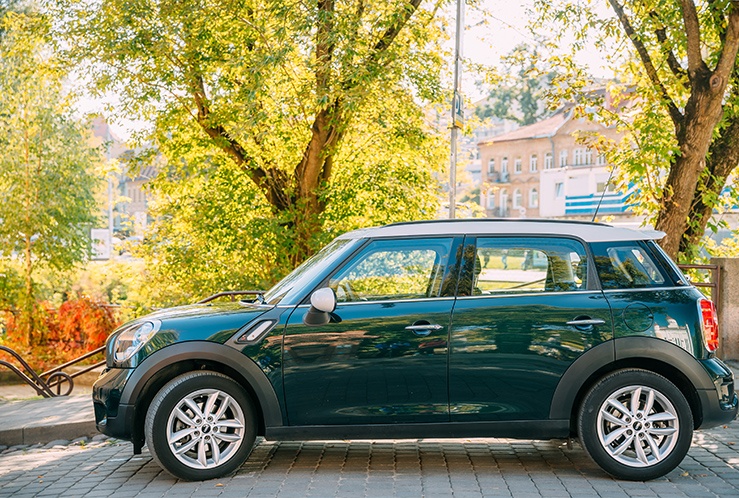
<point x="469" y="328"/>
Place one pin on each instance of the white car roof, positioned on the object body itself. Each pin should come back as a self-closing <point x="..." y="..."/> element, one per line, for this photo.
<point x="587" y="231"/>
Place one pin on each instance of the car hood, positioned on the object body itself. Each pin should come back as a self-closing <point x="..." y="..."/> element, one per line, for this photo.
<point x="204" y="322"/>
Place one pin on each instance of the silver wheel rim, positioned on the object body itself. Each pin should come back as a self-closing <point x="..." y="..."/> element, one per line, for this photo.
<point x="638" y="426"/>
<point x="205" y="429"/>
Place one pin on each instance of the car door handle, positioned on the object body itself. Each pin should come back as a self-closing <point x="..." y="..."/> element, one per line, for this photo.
<point x="428" y="326"/>
<point x="586" y="322"/>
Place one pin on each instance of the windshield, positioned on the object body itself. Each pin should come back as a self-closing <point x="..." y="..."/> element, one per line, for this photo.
<point x="306" y="271"/>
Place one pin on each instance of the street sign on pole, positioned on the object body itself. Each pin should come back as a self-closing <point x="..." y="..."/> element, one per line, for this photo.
<point x="457" y="108"/>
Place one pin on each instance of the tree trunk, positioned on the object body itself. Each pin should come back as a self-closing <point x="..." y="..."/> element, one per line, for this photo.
<point x="723" y="157"/>
<point x="694" y="133"/>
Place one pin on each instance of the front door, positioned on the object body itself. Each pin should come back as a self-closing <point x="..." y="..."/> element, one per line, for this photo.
<point x="383" y="359"/>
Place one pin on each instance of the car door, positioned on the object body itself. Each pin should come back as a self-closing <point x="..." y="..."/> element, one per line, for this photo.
<point x="383" y="356"/>
<point x="526" y="310"/>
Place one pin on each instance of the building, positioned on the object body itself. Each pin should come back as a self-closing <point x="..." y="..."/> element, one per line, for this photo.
<point x="127" y="198"/>
<point x="540" y="170"/>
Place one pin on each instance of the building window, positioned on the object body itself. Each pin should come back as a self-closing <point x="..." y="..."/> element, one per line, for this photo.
<point x="517" y="165"/>
<point x="578" y="157"/>
<point x="548" y="161"/>
<point x="504" y="165"/>
<point x="491" y="166"/>
<point x="491" y="199"/>
<point x="517" y="198"/>
<point x="600" y="160"/>
<point x="563" y="158"/>
<point x="533" y="198"/>
<point x="600" y="187"/>
<point x="559" y="190"/>
<point x="533" y="163"/>
<point x="588" y="156"/>
<point x="503" y="202"/>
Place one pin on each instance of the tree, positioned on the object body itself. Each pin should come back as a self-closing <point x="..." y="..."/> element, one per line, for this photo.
<point x="210" y="231"/>
<point x="45" y="161"/>
<point x="683" y="65"/>
<point x="276" y="86"/>
<point x="519" y="93"/>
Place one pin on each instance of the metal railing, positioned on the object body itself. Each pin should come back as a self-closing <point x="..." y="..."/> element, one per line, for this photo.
<point x="47" y="382"/>
<point x="714" y="283"/>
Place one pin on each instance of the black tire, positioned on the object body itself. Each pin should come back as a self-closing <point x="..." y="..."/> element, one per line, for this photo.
<point x="630" y="444"/>
<point x="208" y="447"/>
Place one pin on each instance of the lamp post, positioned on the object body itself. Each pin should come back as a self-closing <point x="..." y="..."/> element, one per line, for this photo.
<point x="457" y="108"/>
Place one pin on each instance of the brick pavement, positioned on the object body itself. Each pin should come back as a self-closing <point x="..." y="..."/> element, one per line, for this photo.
<point x="459" y="468"/>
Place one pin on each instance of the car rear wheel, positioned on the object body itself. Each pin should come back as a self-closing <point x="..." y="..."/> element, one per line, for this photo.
<point x="201" y="425"/>
<point x="635" y="424"/>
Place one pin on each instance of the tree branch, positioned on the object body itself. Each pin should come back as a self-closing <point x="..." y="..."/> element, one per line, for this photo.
<point x="324" y="46"/>
<point x="693" y="34"/>
<point x="727" y="59"/>
<point x="675" y="113"/>
<point x="672" y="61"/>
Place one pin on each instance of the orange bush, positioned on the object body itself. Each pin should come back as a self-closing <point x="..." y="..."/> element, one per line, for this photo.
<point x="77" y="327"/>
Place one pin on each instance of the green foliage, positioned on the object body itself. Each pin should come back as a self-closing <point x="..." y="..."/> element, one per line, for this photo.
<point x="300" y="101"/>
<point x="518" y="93"/>
<point x="45" y="160"/>
<point x="681" y="140"/>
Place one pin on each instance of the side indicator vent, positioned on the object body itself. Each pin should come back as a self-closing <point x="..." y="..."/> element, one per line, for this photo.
<point x="255" y="332"/>
<point x="709" y="324"/>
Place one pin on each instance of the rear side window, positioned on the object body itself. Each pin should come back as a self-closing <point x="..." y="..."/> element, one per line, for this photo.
<point x="628" y="265"/>
<point x="508" y="265"/>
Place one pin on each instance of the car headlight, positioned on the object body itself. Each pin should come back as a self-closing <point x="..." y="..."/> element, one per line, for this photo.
<point x="133" y="338"/>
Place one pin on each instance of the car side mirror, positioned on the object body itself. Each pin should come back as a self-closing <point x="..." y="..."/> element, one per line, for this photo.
<point x="324" y="300"/>
<point x="322" y="306"/>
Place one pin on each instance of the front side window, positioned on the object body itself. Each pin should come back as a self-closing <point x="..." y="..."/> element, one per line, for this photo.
<point x="517" y="165"/>
<point x="504" y="165"/>
<point x="491" y="166"/>
<point x="517" y="198"/>
<point x="393" y="270"/>
<point x="627" y="265"/>
<point x="505" y="265"/>
<point x="562" y="158"/>
<point x="548" y="161"/>
<point x="533" y="163"/>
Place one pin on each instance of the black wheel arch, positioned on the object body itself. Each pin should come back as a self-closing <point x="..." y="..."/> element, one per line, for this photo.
<point x="169" y="362"/>
<point x="648" y="353"/>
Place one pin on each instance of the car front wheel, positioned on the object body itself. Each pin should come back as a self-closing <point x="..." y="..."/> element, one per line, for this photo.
<point x="635" y="424"/>
<point x="201" y="425"/>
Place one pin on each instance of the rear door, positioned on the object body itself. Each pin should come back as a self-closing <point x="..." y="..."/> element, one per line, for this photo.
<point x="646" y="296"/>
<point x="527" y="307"/>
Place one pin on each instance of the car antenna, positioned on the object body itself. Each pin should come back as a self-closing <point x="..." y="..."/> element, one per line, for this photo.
<point x="605" y="189"/>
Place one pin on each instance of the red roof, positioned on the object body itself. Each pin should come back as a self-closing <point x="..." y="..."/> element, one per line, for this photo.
<point x="544" y="128"/>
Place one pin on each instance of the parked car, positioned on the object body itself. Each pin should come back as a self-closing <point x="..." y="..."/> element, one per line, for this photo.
<point x="433" y="329"/>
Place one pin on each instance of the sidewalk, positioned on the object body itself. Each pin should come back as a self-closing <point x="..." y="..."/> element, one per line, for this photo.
<point x="25" y="421"/>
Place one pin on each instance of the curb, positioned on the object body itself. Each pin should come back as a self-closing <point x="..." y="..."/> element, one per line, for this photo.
<point x="45" y="420"/>
<point x="46" y="434"/>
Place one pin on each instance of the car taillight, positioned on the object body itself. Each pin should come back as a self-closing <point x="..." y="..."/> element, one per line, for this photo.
<point x="709" y="324"/>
